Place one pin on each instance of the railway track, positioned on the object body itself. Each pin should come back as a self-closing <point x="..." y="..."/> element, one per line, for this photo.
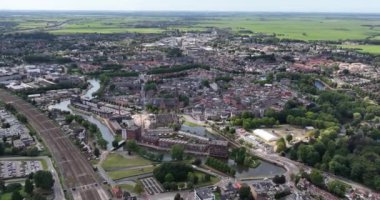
<point x="76" y="171"/>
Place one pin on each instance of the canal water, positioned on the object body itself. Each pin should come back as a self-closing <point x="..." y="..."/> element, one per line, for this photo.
<point x="199" y="131"/>
<point x="319" y="85"/>
<point x="264" y="170"/>
<point x="64" y="106"/>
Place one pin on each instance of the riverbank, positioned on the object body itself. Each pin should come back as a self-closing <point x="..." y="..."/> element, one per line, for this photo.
<point x="105" y="131"/>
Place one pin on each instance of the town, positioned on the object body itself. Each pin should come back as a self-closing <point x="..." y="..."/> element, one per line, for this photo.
<point x="186" y="114"/>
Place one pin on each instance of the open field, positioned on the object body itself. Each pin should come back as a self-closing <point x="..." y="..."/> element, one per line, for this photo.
<point x="302" y="28"/>
<point x="372" y="49"/>
<point x="292" y="26"/>
<point x="192" y="124"/>
<point x="283" y="130"/>
<point x="114" y="161"/>
<point x="129" y="172"/>
<point x="128" y="187"/>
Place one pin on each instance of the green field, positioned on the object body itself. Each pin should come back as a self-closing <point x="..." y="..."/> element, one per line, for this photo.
<point x="292" y="26"/>
<point x="192" y="124"/>
<point x="130" y="172"/>
<point x="128" y="187"/>
<point x="114" y="161"/>
<point x="200" y="175"/>
<point x="372" y="49"/>
<point x="302" y="28"/>
<point x="6" y="196"/>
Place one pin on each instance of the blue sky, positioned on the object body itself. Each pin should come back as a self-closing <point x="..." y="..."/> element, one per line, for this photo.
<point x="372" y="6"/>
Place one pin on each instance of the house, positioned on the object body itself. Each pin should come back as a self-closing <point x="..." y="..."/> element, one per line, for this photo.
<point x="204" y="194"/>
<point x="117" y="192"/>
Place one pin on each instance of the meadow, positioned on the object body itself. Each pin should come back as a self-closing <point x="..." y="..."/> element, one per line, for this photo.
<point x="306" y="27"/>
<point x="302" y="28"/>
<point x="372" y="49"/>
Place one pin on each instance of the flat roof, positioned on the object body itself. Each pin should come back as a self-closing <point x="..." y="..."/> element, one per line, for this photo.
<point x="269" y="137"/>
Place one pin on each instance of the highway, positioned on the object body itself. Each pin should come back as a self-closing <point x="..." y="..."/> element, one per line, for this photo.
<point x="78" y="175"/>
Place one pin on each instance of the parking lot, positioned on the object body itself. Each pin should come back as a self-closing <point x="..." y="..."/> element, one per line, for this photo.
<point x="151" y="186"/>
<point x="18" y="169"/>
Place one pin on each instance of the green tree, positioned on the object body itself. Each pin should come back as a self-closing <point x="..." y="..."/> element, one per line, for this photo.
<point x="289" y="137"/>
<point x="245" y="193"/>
<point x="38" y="197"/>
<point x="178" y="197"/>
<point x="32" y="151"/>
<point x="337" y="188"/>
<point x="177" y="152"/>
<point x="281" y="145"/>
<point x="115" y="143"/>
<point x="139" y="188"/>
<point x="316" y="178"/>
<point x="43" y="179"/>
<point x="28" y="188"/>
<point x="2" y="185"/>
<point x="132" y="146"/>
<point x="16" y="196"/>
<point x="2" y="149"/>
<point x="169" y="177"/>
<point x="190" y="177"/>
<point x="97" y="152"/>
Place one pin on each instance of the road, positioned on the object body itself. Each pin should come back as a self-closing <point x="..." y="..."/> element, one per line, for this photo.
<point x="294" y="167"/>
<point x="78" y="175"/>
<point x="57" y="188"/>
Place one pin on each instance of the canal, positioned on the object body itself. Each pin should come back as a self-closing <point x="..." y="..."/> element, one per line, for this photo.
<point x="64" y="106"/>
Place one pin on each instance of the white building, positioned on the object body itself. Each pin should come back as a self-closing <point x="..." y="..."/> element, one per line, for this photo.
<point x="265" y="135"/>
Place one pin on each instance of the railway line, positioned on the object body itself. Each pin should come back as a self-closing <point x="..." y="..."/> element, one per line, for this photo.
<point x="76" y="171"/>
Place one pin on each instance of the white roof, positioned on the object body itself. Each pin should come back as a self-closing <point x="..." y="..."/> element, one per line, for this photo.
<point x="265" y="135"/>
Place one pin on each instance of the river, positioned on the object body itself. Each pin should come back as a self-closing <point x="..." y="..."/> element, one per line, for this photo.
<point x="319" y="85"/>
<point x="64" y="106"/>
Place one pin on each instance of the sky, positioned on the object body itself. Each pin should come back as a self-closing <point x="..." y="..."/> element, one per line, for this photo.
<point x="356" y="6"/>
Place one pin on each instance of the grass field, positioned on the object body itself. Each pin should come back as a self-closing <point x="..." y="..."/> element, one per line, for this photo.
<point x="372" y="49"/>
<point x="302" y="27"/>
<point x="130" y="172"/>
<point x="192" y="124"/>
<point x="305" y="28"/>
<point x="200" y="177"/>
<point x="8" y="196"/>
<point x="128" y="187"/>
<point x="114" y="161"/>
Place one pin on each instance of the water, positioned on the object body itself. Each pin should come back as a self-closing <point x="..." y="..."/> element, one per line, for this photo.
<point x="64" y="106"/>
<point x="198" y="130"/>
<point x="319" y="85"/>
<point x="95" y="85"/>
<point x="106" y="133"/>
<point x="265" y="169"/>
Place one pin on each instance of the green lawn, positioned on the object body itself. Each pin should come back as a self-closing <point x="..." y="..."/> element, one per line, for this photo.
<point x="128" y="187"/>
<point x="372" y="49"/>
<point x="191" y="124"/>
<point x="105" y="30"/>
<point x="6" y="196"/>
<point x="114" y="161"/>
<point x="130" y="172"/>
<point x="202" y="184"/>
<point x="302" y="28"/>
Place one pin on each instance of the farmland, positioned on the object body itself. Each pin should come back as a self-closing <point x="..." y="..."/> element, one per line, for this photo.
<point x="372" y="49"/>
<point x="306" y="27"/>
